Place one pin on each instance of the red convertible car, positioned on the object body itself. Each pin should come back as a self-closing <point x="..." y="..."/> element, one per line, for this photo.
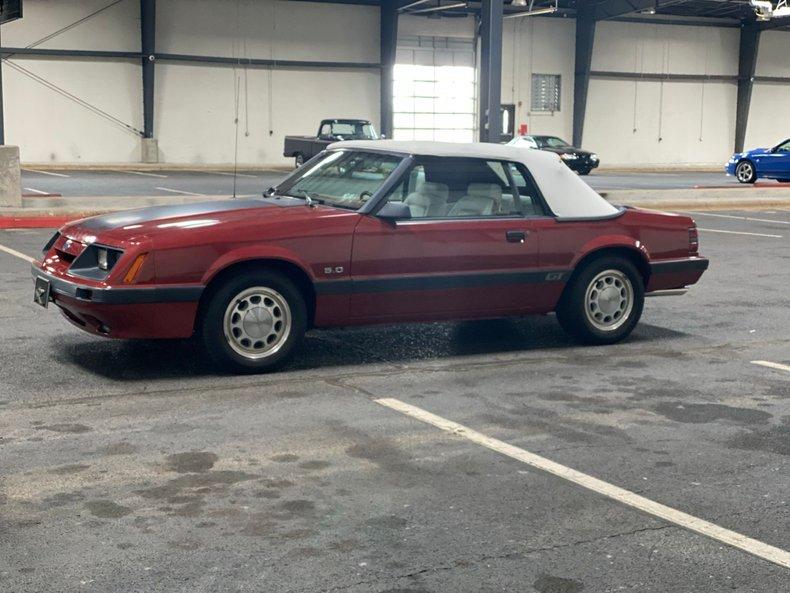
<point x="371" y="232"/>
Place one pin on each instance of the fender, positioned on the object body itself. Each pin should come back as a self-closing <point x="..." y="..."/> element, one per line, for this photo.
<point x="254" y="252"/>
<point x="612" y="241"/>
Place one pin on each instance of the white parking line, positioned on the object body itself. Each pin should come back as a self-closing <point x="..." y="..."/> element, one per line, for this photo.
<point x="626" y="497"/>
<point x="772" y="365"/>
<point x="16" y="253"/>
<point x="739" y="233"/>
<point x="178" y="191"/>
<point x="739" y="217"/>
<point x="144" y="174"/>
<point x="36" y="191"/>
<point x="45" y="172"/>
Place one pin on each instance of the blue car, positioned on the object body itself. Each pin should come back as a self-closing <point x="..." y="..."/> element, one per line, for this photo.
<point x="765" y="163"/>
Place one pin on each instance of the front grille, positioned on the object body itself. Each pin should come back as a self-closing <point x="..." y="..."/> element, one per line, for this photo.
<point x="67" y="250"/>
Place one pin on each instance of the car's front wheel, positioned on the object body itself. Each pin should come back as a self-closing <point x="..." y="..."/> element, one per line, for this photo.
<point x="584" y="171"/>
<point x="253" y="322"/>
<point x="745" y="172"/>
<point x="603" y="302"/>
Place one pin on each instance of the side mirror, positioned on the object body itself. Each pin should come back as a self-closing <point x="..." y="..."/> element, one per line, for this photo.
<point x="393" y="211"/>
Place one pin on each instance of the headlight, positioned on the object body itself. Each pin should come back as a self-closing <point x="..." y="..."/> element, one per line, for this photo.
<point x="568" y="156"/>
<point x="102" y="257"/>
<point x="593" y="157"/>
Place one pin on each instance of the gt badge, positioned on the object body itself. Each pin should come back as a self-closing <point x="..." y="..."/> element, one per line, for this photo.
<point x="553" y="276"/>
<point x="335" y="270"/>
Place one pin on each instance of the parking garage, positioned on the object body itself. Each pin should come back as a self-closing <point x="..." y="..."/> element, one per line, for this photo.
<point x="476" y="452"/>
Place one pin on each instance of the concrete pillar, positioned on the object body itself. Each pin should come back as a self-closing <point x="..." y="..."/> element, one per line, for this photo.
<point x="150" y="149"/>
<point x="490" y="103"/>
<point x="10" y="177"/>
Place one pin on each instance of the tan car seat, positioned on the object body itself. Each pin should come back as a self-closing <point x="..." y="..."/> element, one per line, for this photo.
<point x="430" y="199"/>
<point x="481" y="199"/>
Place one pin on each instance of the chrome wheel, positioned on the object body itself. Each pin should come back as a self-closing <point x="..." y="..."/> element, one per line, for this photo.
<point x="257" y="322"/>
<point x="745" y="172"/>
<point x="609" y="300"/>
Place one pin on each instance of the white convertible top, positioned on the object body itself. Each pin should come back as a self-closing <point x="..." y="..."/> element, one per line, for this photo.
<point x="566" y="194"/>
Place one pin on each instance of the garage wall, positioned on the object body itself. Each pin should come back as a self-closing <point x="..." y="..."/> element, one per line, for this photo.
<point x="539" y="46"/>
<point x="195" y="104"/>
<point x="769" y="116"/>
<point x="633" y="122"/>
<point x="48" y="126"/>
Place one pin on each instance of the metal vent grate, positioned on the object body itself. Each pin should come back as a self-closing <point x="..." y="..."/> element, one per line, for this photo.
<point x="545" y="92"/>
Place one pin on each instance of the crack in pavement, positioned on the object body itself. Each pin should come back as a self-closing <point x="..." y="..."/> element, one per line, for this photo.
<point x="506" y="556"/>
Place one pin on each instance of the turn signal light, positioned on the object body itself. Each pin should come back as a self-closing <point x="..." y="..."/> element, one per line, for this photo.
<point x="135" y="268"/>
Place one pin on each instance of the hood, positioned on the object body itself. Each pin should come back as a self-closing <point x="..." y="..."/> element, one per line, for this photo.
<point x="568" y="150"/>
<point x="118" y="228"/>
<point x="756" y="152"/>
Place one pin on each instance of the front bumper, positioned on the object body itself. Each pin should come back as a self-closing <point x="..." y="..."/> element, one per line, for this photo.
<point x="729" y="168"/>
<point x="582" y="164"/>
<point x="128" y="312"/>
<point x="675" y="273"/>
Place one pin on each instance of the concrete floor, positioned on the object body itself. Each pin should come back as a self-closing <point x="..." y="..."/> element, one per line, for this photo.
<point x="132" y="466"/>
<point x="163" y="183"/>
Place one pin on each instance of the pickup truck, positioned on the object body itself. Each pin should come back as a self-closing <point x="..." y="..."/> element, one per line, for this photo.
<point x="303" y="148"/>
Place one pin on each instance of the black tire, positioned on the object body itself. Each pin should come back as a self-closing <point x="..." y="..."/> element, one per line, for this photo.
<point x="745" y="171"/>
<point x="298" y="159"/>
<point x="572" y="311"/>
<point x="584" y="172"/>
<point x="224" y="350"/>
<point x="783" y="180"/>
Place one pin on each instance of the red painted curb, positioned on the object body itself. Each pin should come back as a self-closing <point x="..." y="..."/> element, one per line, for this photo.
<point x="36" y="222"/>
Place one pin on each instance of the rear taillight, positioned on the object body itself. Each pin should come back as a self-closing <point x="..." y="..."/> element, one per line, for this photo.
<point x="693" y="240"/>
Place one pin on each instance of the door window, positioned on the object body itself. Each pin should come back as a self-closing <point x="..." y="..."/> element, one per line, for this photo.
<point x="784" y="147"/>
<point x="528" y="194"/>
<point x="457" y="188"/>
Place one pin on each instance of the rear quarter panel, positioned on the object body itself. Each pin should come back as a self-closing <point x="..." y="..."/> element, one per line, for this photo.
<point x="655" y="236"/>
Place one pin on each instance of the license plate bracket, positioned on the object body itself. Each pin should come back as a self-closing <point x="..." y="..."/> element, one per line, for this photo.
<point x="42" y="292"/>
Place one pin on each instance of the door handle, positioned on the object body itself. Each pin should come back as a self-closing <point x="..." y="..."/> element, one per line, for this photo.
<point x="516" y="236"/>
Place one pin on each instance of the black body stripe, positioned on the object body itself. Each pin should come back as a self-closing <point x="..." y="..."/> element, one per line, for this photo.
<point x="447" y="282"/>
<point x="120" y="296"/>
<point x="679" y="265"/>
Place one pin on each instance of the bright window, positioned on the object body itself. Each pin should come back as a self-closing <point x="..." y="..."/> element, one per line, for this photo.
<point x="434" y="103"/>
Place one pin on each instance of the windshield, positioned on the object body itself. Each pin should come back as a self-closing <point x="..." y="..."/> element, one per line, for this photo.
<point x="551" y="142"/>
<point x="350" y="130"/>
<point x="342" y="178"/>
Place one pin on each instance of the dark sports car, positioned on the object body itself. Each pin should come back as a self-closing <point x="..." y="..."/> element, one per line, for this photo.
<point x="581" y="161"/>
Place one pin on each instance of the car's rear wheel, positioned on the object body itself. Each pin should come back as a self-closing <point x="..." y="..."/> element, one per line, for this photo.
<point x="745" y="172"/>
<point x="253" y="322"/>
<point x="603" y="302"/>
<point x="299" y="159"/>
